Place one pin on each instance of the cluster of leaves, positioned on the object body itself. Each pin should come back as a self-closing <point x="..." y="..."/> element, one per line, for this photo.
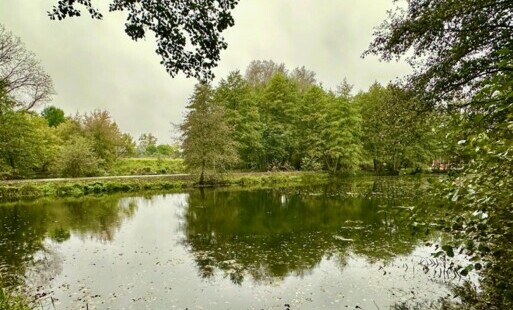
<point x="187" y="32"/>
<point x="281" y="120"/>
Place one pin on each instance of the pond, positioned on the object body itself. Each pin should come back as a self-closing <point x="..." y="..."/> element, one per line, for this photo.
<point x="351" y="245"/>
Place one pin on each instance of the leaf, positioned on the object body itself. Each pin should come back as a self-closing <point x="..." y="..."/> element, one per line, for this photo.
<point x="448" y="250"/>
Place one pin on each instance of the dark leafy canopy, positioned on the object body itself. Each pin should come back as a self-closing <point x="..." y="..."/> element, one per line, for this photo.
<point x="456" y="45"/>
<point x="188" y="32"/>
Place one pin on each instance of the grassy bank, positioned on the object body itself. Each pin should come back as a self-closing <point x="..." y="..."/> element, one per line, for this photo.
<point x="30" y="189"/>
<point x="11" y="301"/>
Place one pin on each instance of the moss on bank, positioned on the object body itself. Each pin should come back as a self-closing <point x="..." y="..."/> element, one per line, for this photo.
<point x="30" y="189"/>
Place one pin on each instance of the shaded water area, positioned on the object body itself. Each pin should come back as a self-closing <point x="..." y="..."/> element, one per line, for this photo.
<point x="348" y="245"/>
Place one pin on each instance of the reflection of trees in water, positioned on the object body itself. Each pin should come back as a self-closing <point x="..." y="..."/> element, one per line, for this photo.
<point x="273" y="233"/>
<point x="25" y="227"/>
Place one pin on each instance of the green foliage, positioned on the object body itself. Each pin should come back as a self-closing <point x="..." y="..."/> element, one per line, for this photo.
<point x="242" y="114"/>
<point x="396" y="134"/>
<point x="284" y="121"/>
<point x="78" y="159"/>
<point x="27" y="145"/>
<point x="463" y="55"/>
<point x="147" y="144"/>
<point x="151" y="165"/>
<point x="167" y="150"/>
<point x="207" y="142"/>
<point x="127" y="146"/>
<point x="10" y="301"/>
<point x="278" y="112"/>
<point x="54" y="116"/>
<point x="104" y="135"/>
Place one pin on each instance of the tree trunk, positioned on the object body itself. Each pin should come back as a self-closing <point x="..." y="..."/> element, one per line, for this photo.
<point x="376" y="165"/>
<point x="202" y="176"/>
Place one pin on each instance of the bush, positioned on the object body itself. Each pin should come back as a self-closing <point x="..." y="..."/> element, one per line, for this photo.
<point x="77" y="159"/>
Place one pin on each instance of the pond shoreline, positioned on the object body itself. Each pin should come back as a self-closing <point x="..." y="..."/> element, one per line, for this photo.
<point x="32" y="189"/>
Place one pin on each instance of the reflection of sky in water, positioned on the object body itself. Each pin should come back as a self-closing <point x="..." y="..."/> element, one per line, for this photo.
<point x="150" y="260"/>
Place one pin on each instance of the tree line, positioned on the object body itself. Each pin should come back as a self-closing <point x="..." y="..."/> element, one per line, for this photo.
<point x="51" y="144"/>
<point x="271" y="118"/>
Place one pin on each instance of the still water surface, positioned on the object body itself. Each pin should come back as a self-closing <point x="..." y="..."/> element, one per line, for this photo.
<point x="304" y="248"/>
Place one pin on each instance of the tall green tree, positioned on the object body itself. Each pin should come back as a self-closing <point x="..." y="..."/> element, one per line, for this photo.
<point x="341" y="133"/>
<point x="242" y="115"/>
<point x="278" y="110"/>
<point x="206" y="138"/>
<point x="395" y="135"/>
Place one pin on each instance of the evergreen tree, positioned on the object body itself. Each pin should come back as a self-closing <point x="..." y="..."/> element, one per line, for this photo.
<point x="206" y="137"/>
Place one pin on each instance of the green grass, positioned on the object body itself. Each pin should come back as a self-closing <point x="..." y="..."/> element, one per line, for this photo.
<point x="147" y="166"/>
<point x="16" y="190"/>
<point x="10" y="301"/>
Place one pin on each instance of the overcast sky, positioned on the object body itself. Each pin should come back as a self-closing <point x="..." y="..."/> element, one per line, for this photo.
<point x="94" y="65"/>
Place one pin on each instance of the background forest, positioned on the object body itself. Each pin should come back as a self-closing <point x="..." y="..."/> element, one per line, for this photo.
<point x="271" y="118"/>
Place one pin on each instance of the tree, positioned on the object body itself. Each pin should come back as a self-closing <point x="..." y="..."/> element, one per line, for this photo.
<point x="330" y="127"/>
<point x="127" y="147"/>
<point x="278" y="109"/>
<point x="206" y="138"/>
<point x="463" y="54"/>
<point x="188" y="32"/>
<point x="104" y="135"/>
<point x="241" y="114"/>
<point x="77" y="158"/>
<point x="303" y="77"/>
<point x="168" y="150"/>
<point x="260" y="72"/>
<point x="53" y="115"/>
<point x="457" y="46"/>
<point x="341" y="134"/>
<point x="396" y="135"/>
<point x="27" y="145"/>
<point x="21" y="74"/>
<point x="147" y="144"/>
